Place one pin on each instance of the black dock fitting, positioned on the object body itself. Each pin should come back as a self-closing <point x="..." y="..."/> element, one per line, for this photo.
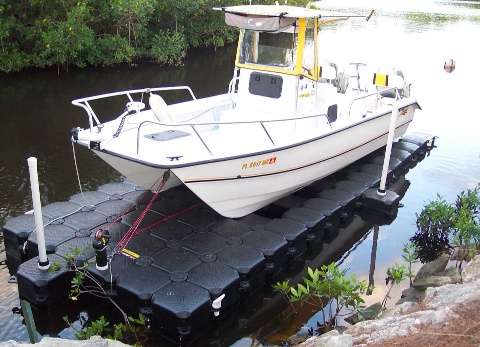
<point x="384" y="204"/>
<point x="424" y="141"/>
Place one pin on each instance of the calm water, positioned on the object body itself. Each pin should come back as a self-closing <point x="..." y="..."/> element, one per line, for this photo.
<point x="418" y="36"/>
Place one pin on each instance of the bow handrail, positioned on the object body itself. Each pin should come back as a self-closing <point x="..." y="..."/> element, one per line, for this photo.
<point x="83" y="102"/>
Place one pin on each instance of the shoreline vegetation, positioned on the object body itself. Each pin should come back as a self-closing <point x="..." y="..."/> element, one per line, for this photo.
<point x="42" y="33"/>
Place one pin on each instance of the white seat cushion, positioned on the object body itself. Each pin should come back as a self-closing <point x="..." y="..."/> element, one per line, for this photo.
<point x="160" y="108"/>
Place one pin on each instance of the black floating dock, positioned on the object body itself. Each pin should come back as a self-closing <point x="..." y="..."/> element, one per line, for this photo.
<point x="174" y="270"/>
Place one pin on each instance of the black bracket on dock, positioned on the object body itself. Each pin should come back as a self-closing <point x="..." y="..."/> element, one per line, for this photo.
<point x="383" y="202"/>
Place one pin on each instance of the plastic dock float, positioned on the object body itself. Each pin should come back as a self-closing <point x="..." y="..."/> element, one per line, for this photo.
<point x="173" y="271"/>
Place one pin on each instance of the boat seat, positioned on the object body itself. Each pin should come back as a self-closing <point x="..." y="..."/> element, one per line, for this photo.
<point x="386" y="78"/>
<point x="327" y="71"/>
<point x="160" y="108"/>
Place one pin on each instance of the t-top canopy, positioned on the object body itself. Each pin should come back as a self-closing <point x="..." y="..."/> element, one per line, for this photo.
<point x="263" y="24"/>
<point x="284" y="11"/>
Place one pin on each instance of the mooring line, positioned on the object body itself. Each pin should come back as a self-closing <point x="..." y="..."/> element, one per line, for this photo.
<point x="78" y="175"/>
<point x="134" y="204"/>
<point x="131" y="232"/>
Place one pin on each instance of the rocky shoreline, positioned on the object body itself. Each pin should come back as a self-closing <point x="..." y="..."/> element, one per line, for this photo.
<point x="439" y="295"/>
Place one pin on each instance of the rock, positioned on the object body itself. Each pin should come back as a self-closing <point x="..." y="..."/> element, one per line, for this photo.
<point x="411" y="295"/>
<point x="471" y="271"/>
<point x="298" y="338"/>
<point x="398" y="310"/>
<point x="440" y="307"/>
<point x="454" y="274"/>
<point x="330" y="334"/>
<point x="433" y="267"/>
<point x="341" y="329"/>
<point x="431" y="281"/>
<point x="2" y="252"/>
<point x="94" y="341"/>
<point x="375" y="310"/>
<point x="335" y="341"/>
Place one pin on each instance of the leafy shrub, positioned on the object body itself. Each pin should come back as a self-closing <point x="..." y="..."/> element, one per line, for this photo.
<point x="434" y="225"/>
<point x="440" y="224"/>
<point x="113" y="49"/>
<point x="395" y="275"/>
<point x="168" y="48"/>
<point x="61" y="33"/>
<point x="410" y="255"/>
<point x="330" y="291"/>
<point x="466" y="232"/>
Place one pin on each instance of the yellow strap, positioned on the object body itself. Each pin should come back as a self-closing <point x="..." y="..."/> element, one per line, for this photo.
<point x="380" y="79"/>
<point x="135" y="255"/>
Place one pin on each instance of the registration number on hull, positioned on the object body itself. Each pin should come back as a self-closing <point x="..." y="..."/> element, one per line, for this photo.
<point x="259" y="163"/>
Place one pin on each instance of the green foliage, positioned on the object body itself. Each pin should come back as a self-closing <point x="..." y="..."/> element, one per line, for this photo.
<point x="410" y="255"/>
<point x="139" y="325"/>
<point x="168" y="48"/>
<point x="433" y="228"/>
<point x="55" y="266"/>
<point x="435" y="217"/>
<point x="100" y="327"/>
<point x="84" y="283"/>
<point x="330" y="290"/>
<point x="96" y="328"/>
<point x="395" y="275"/>
<point x="39" y="33"/>
<point x="441" y="224"/>
<point x="466" y="232"/>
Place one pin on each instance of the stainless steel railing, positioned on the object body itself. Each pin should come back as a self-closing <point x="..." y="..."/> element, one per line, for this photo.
<point x="192" y="125"/>
<point x="379" y="95"/>
<point x="83" y="102"/>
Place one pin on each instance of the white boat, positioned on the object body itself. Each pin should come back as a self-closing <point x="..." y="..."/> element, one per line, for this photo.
<point x="289" y="117"/>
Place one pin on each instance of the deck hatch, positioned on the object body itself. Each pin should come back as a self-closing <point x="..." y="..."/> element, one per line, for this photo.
<point x="168" y="135"/>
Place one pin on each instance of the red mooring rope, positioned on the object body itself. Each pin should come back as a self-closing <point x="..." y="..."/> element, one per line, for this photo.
<point x="134" y="204"/>
<point x="132" y="232"/>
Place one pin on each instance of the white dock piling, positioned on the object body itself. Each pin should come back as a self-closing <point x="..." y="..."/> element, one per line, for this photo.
<point x="43" y="263"/>
<point x="391" y="131"/>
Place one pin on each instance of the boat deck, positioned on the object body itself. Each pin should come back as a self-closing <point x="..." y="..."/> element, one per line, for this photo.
<point x="174" y="270"/>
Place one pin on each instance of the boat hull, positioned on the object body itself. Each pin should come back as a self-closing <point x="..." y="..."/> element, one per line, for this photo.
<point x="235" y="192"/>
<point x="145" y="176"/>
<point x="235" y="187"/>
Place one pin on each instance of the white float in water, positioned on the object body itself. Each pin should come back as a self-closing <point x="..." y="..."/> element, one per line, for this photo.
<point x="449" y="65"/>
